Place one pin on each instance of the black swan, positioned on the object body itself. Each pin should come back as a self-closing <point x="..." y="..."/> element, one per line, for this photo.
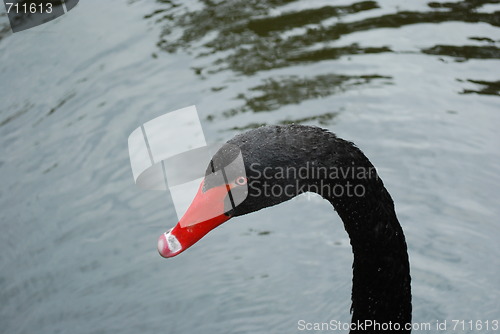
<point x="381" y="293"/>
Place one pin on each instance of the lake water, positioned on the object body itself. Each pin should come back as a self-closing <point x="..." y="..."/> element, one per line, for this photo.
<point x="414" y="85"/>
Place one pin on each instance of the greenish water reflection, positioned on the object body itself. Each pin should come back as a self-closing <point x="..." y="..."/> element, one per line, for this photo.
<point x="250" y="37"/>
<point x="488" y="88"/>
<point x="275" y="93"/>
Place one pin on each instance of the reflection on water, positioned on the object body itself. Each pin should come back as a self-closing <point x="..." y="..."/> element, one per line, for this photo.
<point x="16" y="114"/>
<point x="4" y="26"/>
<point x="274" y="94"/>
<point x="256" y="38"/>
<point x="322" y="119"/>
<point x="465" y="52"/>
<point x="489" y="88"/>
<point x="248" y="37"/>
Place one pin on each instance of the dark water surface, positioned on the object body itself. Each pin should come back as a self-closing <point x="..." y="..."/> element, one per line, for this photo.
<point x="416" y="85"/>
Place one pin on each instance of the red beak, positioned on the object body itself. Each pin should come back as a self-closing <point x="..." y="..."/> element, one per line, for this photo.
<point x="205" y="213"/>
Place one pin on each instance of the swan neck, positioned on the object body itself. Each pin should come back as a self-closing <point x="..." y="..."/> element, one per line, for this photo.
<point x="381" y="290"/>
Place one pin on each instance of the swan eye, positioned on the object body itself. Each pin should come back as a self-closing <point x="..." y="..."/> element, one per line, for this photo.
<point x="240" y="181"/>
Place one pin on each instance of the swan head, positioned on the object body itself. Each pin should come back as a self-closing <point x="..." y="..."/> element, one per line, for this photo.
<point x="239" y="180"/>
